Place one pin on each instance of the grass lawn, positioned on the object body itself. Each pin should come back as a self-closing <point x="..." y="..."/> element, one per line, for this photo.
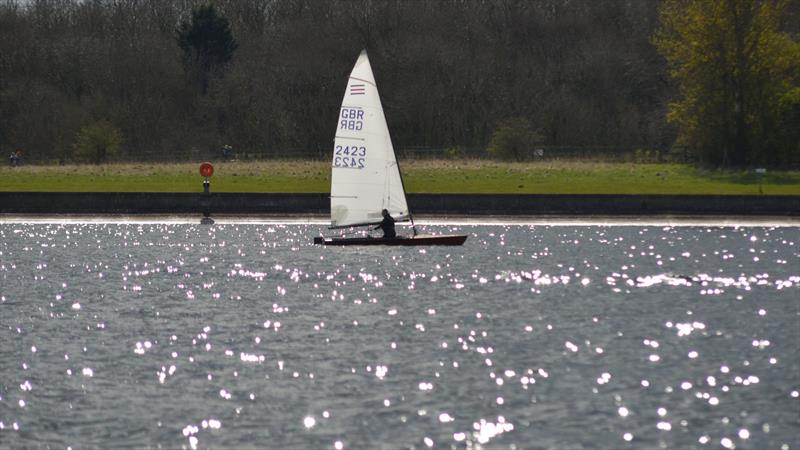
<point x="421" y="176"/>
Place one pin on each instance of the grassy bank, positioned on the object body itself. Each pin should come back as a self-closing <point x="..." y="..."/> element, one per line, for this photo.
<point x="465" y="176"/>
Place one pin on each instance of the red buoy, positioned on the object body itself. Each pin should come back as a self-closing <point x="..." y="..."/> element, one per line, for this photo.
<point x="206" y="169"/>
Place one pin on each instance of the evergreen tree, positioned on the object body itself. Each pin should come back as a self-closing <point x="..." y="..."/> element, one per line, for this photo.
<point x="735" y="69"/>
<point x="207" y="43"/>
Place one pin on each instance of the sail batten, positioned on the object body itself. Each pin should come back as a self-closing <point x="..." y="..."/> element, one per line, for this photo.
<point x="365" y="177"/>
<point x="370" y="81"/>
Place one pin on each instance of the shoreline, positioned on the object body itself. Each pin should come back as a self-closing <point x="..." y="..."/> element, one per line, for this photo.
<point x="448" y="205"/>
<point x="422" y="220"/>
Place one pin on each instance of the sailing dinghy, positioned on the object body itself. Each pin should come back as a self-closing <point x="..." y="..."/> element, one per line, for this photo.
<point x="365" y="176"/>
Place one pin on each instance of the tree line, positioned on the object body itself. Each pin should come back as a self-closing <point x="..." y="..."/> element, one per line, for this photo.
<point x="452" y="74"/>
<point x="739" y="79"/>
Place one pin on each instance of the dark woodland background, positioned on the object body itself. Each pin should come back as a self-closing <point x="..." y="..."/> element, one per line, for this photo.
<point x="584" y="73"/>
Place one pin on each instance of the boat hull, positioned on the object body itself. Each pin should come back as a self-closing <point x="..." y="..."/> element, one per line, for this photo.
<point x="421" y="239"/>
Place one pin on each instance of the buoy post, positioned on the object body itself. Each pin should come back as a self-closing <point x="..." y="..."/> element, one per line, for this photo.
<point x="206" y="170"/>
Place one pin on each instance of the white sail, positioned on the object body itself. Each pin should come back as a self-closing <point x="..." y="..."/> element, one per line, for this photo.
<point x="365" y="178"/>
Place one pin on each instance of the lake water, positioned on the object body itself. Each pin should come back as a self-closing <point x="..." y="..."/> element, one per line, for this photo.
<point x="174" y="335"/>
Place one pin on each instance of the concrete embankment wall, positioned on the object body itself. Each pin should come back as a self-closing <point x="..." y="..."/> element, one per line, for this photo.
<point x="420" y="204"/>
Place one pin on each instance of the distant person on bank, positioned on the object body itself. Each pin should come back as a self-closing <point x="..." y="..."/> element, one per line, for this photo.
<point x="227" y="152"/>
<point x="15" y="159"/>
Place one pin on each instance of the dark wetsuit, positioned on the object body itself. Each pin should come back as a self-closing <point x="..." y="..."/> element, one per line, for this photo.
<point x="387" y="225"/>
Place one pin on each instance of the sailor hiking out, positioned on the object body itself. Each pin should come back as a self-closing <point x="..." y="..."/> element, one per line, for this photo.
<point x="387" y="225"/>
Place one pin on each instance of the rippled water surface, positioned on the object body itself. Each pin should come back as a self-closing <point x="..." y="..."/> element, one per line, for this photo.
<point x="248" y="336"/>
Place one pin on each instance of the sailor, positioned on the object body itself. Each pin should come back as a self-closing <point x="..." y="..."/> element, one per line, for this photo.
<point x="387" y="225"/>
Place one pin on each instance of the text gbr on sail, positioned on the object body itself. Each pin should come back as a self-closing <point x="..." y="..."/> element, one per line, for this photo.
<point x="351" y="119"/>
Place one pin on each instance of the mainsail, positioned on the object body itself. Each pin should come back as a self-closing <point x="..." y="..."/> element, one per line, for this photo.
<point x="365" y="178"/>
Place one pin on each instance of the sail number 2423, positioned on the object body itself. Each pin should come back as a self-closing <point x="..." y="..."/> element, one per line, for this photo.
<point x="349" y="156"/>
